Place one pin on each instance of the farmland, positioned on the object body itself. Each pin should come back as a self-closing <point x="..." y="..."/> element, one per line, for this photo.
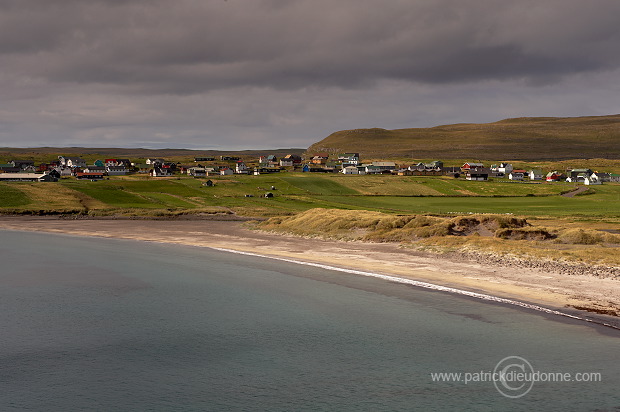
<point x="295" y="192"/>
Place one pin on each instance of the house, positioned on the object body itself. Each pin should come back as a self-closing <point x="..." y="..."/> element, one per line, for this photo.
<point x="269" y="160"/>
<point x="535" y="174"/>
<point x="434" y="165"/>
<point x="71" y="162"/>
<point x="226" y="171"/>
<point x="502" y="169"/>
<point x="615" y="178"/>
<point x="89" y="175"/>
<point x="170" y="166"/>
<point x="290" y="160"/>
<point x="470" y="165"/>
<point x="580" y="178"/>
<point x="118" y="162"/>
<point x="319" y="158"/>
<point x="203" y="159"/>
<point x="421" y="169"/>
<point x="451" y="171"/>
<point x="389" y="166"/>
<point x="142" y="168"/>
<point x="63" y="171"/>
<point x="27" y="177"/>
<point x="54" y="175"/>
<point x="9" y="168"/>
<point x="120" y="170"/>
<point x="241" y="168"/>
<point x="23" y="164"/>
<point x="554" y="176"/>
<point x="517" y="174"/>
<point x="229" y="158"/>
<point x="350" y="170"/>
<point x="197" y="171"/>
<point x="602" y="177"/>
<point x="154" y="161"/>
<point x="573" y="173"/>
<point x="160" y="172"/>
<point x="94" y="169"/>
<point x="349" y="158"/>
<point x="479" y="173"/>
<point x="592" y="180"/>
<point x="259" y="170"/>
<point x="372" y="170"/>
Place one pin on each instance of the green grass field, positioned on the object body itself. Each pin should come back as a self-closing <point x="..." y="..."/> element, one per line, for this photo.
<point x="294" y="192"/>
<point x="12" y="197"/>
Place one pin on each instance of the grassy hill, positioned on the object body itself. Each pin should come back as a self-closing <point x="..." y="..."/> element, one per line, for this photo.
<point x="527" y="139"/>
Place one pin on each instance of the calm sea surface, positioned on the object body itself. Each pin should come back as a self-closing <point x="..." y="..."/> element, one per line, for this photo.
<point x="99" y="324"/>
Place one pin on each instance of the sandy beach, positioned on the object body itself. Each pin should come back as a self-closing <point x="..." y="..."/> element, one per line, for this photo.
<point x="550" y="290"/>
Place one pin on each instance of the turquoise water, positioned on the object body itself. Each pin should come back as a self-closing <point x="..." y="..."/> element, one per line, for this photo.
<point x="100" y="324"/>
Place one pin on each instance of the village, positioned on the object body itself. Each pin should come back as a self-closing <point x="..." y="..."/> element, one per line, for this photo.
<point x="345" y="163"/>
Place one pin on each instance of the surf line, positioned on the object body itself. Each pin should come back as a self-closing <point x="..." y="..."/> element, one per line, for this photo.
<point x="425" y="285"/>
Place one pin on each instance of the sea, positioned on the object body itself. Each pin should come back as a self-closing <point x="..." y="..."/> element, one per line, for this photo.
<point x="100" y="324"/>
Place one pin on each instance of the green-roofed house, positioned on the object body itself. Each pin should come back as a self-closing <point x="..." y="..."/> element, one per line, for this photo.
<point x="614" y="177"/>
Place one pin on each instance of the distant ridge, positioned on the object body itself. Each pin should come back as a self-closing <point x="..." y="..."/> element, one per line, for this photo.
<point x="524" y="138"/>
<point x="138" y="152"/>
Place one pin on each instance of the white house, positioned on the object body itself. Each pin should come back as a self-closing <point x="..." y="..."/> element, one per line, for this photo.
<point x="72" y="162"/>
<point x="593" y="179"/>
<point x="517" y="174"/>
<point x="579" y="178"/>
<point x="350" y="170"/>
<point x="160" y="172"/>
<point x="535" y="174"/>
<point x="505" y="168"/>
<point x="197" y="171"/>
<point x="349" y="158"/>
<point x="240" y="168"/>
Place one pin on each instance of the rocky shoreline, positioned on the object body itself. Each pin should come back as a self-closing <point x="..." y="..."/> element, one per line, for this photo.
<point x="546" y="265"/>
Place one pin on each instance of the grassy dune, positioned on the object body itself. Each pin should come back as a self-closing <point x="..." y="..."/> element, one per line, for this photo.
<point x="497" y="234"/>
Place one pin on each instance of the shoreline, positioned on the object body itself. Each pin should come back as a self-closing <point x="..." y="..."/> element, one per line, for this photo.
<point x="553" y="294"/>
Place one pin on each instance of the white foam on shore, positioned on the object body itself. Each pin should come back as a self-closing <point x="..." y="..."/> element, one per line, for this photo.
<point x="425" y="285"/>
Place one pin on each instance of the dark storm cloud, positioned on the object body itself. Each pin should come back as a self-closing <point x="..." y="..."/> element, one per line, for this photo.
<point x="192" y="46"/>
<point x="256" y="73"/>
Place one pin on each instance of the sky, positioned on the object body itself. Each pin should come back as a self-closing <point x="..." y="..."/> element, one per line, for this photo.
<point x="259" y="74"/>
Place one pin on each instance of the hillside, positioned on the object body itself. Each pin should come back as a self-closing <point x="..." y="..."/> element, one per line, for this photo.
<point x="527" y="138"/>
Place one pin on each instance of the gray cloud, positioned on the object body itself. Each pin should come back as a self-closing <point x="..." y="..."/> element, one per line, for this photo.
<point x="149" y="70"/>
